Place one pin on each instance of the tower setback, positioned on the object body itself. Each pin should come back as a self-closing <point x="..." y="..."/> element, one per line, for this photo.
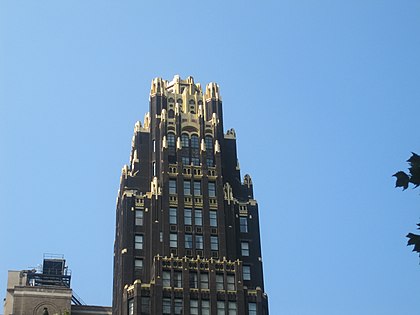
<point x="187" y="228"/>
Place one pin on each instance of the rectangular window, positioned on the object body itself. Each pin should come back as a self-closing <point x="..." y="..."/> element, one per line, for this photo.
<point x="221" y="308"/>
<point x="185" y="141"/>
<point x="204" y="281"/>
<point x="193" y="280"/>
<point x="166" y="306"/>
<point x="172" y="215"/>
<point x="178" y="279"/>
<point x="178" y="306"/>
<point x="232" y="308"/>
<point x="209" y="161"/>
<point x="213" y="218"/>
<point x="252" y="308"/>
<point x="195" y="161"/>
<point x="198" y="217"/>
<point x="138" y="264"/>
<point x="187" y="188"/>
<point x="131" y="307"/>
<point x="173" y="240"/>
<point x="219" y="282"/>
<point x="139" y="217"/>
<point x="188" y="241"/>
<point x="246" y="272"/>
<point x="194" y="307"/>
<point x="245" y="248"/>
<point x="154" y="168"/>
<point x="199" y="244"/>
<point x="172" y="186"/>
<point x="197" y="188"/>
<point x="138" y="242"/>
<point x="214" y="243"/>
<point x="205" y="307"/>
<point x="230" y="282"/>
<point x="212" y="189"/>
<point x="243" y="224"/>
<point x="185" y="160"/>
<point x="145" y="305"/>
<point x="166" y="279"/>
<point x="187" y="216"/>
<point x="171" y="140"/>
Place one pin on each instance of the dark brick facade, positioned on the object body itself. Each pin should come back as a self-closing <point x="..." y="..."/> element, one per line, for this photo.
<point x="187" y="228"/>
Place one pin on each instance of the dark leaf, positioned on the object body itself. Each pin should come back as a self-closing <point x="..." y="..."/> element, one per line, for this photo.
<point x="414" y="239"/>
<point x="402" y="180"/>
<point x="414" y="160"/>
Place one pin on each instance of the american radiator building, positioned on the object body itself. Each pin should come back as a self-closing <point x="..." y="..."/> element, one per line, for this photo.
<point x="187" y="227"/>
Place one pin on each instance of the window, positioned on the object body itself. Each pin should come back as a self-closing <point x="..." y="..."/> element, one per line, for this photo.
<point x="209" y="144"/>
<point x="188" y="241"/>
<point x="214" y="243"/>
<point x="130" y="307"/>
<point x="187" y="188"/>
<point x="210" y="161"/>
<point x="145" y="305"/>
<point x="204" y="281"/>
<point x="185" y="140"/>
<point x="212" y="189"/>
<point x="194" y="307"/>
<point x="197" y="188"/>
<point x="194" y="142"/>
<point x="178" y="306"/>
<point x="138" y="264"/>
<point x="139" y="217"/>
<point x="172" y="186"/>
<point x="154" y="168"/>
<point x="219" y="282"/>
<point x="172" y="215"/>
<point x="232" y="308"/>
<point x="178" y="279"/>
<point x="193" y="280"/>
<point x="221" y="308"/>
<point x="173" y="240"/>
<point x="205" y="307"/>
<point x="246" y="272"/>
<point x="171" y="113"/>
<point x="199" y="244"/>
<point x="185" y="160"/>
<point x="245" y="248"/>
<point x="230" y="282"/>
<point x="252" y="308"/>
<point x="187" y="216"/>
<point x="166" y="278"/>
<point x="213" y="218"/>
<point x="195" y="161"/>
<point x="138" y="242"/>
<point x="243" y="224"/>
<point x="171" y="140"/>
<point x="198" y="217"/>
<point x="166" y="306"/>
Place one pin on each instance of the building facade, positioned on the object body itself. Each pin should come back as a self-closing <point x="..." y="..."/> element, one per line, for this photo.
<point x="46" y="291"/>
<point x="187" y="227"/>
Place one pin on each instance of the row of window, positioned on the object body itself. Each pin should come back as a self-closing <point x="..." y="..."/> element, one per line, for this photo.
<point x="187" y="142"/>
<point x="198" y="283"/>
<point x="199" y="242"/>
<point x="195" y="307"/>
<point x="204" y="278"/>
<point x="192" y="188"/>
<point x="188" y="217"/>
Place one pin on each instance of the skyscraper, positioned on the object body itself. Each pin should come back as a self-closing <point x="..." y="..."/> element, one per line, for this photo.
<point x="187" y="227"/>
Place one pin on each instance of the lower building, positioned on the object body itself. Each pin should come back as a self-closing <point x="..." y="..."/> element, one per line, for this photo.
<point x="46" y="291"/>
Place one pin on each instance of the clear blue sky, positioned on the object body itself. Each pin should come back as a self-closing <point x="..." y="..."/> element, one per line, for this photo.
<point x="325" y="100"/>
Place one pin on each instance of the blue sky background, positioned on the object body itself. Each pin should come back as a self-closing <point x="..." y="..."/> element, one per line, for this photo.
<point x="325" y="99"/>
